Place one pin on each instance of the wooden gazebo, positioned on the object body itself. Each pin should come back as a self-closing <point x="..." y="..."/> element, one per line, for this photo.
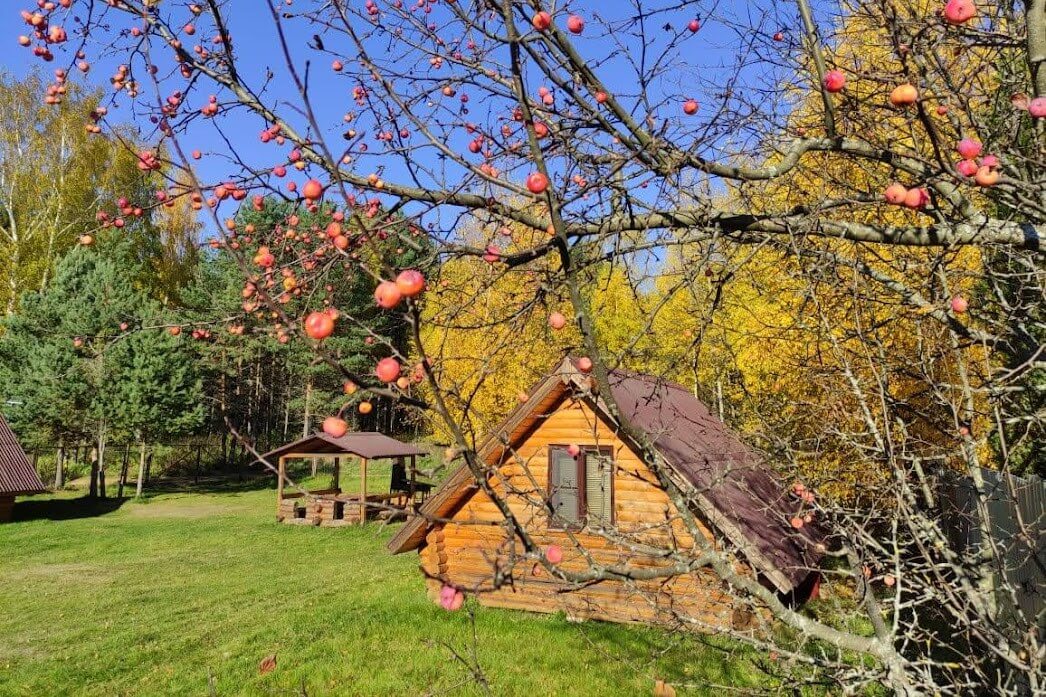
<point x="331" y="506"/>
<point x="17" y="476"/>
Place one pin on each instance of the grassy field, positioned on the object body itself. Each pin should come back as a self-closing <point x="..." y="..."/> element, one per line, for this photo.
<point x="185" y="593"/>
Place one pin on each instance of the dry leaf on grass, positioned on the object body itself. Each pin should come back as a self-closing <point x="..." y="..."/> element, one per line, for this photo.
<point x="267" y="665"/>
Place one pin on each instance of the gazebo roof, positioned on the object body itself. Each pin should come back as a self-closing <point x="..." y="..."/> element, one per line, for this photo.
<point x="17" y="476"/>
<point x="366" y="444"/>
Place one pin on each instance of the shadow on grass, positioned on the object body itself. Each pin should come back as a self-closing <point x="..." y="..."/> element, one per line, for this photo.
<point x="64" y="509"/>
<point x="213" y="483"/>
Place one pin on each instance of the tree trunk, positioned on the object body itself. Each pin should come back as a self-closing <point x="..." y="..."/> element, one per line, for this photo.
<point x="141" y="473"/>
<point x="59" y="468"/>
<point x="123" y="472"/>
<point x="101" y="462"/>
<point x="719" y="398"/>
<point x="92" y="489"/>
<point x="148" y="467"/>
<point x="307" y="420"/>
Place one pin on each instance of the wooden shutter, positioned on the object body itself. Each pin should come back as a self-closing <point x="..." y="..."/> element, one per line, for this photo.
<point x="598" y="497"/>
<point x="563" y="486"/>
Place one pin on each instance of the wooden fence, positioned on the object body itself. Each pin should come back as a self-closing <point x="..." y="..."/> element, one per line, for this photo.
<point x="1017" y="517"/>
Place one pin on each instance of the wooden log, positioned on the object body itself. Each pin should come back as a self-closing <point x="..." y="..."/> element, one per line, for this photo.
<point x="363" y="490"/>
<point x="282" y="469"/>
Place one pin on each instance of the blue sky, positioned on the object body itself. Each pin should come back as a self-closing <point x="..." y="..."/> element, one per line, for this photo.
<point x="704" y="61"/>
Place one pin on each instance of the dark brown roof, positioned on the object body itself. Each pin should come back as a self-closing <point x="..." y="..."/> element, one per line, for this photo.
<point x="17" y="476"/>
<point x="737" y="493"/>
<point x="746" y="497"/>
<point x="366" y="444"/>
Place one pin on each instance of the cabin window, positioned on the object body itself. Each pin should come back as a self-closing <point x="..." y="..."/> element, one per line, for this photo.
<point x="599" y="467"/>
<point x="580" y="490"/>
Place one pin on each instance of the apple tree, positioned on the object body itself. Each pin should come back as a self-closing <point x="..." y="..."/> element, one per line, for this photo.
<point x="882" y="161"/>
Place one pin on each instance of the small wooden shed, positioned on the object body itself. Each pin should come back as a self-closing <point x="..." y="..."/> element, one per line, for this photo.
<point x="17" y="476"/>
<point x="331" y="506"/>
<point x="605" y="504"/>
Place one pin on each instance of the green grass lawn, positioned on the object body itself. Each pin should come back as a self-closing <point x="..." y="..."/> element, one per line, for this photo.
<point x="184" y="593"/>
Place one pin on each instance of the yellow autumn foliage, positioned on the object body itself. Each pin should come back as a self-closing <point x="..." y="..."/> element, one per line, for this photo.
<point x="486" y="329"/>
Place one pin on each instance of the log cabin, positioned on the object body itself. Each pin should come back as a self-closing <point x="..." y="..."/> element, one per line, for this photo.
<point x="17" y="476"/>
<point x="574" y="481"/>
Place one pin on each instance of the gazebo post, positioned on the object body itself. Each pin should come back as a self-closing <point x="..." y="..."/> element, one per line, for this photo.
<point x="363" y="490"/>
<point x="337" y="473"/>
<point x="279" y="484"/>
<point x="413" y="469"/>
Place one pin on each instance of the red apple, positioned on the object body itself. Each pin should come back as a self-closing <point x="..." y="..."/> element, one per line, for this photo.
<point x="575" y="25"/>
<point x="959" y="11"/>
<point x="986" y="177"/>
<point x="834" y="81"/>
<point x="693" y="25"/>
<point x="573" y="450"/>
<point x="968" y="148"/>
<point x="966" y="168"/>
<point x="319" y="325"/>
<point x="584" y="364"/>
<point x="557" y="321"/>
<point x="554" y="554"/>
<point x="410" y="283"/>
<point x="796" y="522"/>
<point x="335" y="427"/>
<point x="451" y="599"/>
<point x="387" y="295"/>
<point x="959" y="304"/>
<point x="542" y="21"/>
<point x="312" y="190"/>
<point x="895" y="194"/>
<point x="690" y="107"/>
<point x="387" y="370"/>
<point x="537" y="183"/>
<point x="916" y="198"/>
<point x="1037" y="107"/>
<point x="904" y="95"/>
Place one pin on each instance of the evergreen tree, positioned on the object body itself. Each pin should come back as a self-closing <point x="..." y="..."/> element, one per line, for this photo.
<point x="159" y="393"/>
<point x="79" y="360"/>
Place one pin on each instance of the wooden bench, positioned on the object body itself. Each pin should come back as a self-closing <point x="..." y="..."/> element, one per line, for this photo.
<point x="330" y="507"/>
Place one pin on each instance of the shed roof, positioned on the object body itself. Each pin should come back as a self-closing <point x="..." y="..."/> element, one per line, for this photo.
<point x="735" y="491"/>
<point x="367" y="444"/>
<point x="17" y="476"/>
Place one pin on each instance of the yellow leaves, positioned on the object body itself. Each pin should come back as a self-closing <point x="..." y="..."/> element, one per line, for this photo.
<point x="487" y="329"/>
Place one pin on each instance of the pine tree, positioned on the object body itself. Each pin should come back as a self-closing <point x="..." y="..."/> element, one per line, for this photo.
<point x="73" y="356"/>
